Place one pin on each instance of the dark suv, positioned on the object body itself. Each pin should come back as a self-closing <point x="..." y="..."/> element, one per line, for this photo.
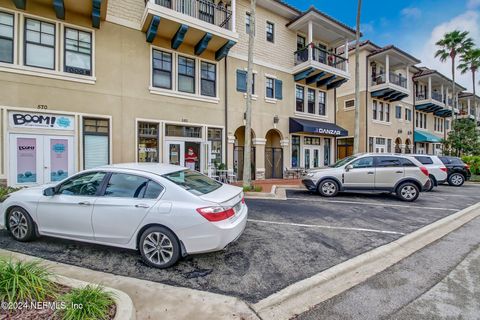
<point x="458" y="171"/>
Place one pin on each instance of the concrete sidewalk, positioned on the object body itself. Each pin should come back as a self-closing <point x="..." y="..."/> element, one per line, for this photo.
<point x="155" y="300"/>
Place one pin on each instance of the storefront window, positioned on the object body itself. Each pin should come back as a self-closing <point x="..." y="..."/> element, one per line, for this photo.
<point x="95" y="142"/>
<point x="148" y="142"/>
<point x="215" y="141"/>
<point x="311" y="141"/>
<point x="183" y="131"/>
<point x="326" y="151"/>
<point x="295" y="151"/>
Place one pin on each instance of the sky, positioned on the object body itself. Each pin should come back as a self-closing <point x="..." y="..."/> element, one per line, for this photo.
<point x="412" y="25"/>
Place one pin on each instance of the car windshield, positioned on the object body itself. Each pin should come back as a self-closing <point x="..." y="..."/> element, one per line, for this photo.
<point x="194" y="182"/>
<point x="342" y="162"/>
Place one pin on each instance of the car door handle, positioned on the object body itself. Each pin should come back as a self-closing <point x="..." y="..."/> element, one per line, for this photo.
<point x="370" y="172"/>
<point x="398" y="171"/>
<point x="84" y="203"/>
<point x="142" y="205"/>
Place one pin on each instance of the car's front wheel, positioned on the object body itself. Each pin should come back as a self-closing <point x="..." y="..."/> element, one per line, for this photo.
<point x="408" y="191"/>
<point x="20" y="224"/>
<point x="159" y="247"/>
<point x="328" y="188"/>
<point x="456" y="180"/>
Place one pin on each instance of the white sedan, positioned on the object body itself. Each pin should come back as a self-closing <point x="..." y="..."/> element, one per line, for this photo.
<point x="164" y="211"/>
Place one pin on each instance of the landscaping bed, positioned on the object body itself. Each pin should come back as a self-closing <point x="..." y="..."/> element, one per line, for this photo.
<point x="29" y="291"/>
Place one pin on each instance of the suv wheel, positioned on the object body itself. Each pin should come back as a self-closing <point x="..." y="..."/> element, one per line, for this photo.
<point x="328" y="188"/>
<point x="456" y="180"/>
<point x="159" y="247"/>
<point x="432" y="184"/>
<point x="20" y="224"/>
<point x="408" y="191"/>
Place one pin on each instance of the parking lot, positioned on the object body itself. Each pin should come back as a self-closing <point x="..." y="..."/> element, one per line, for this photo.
<point x="284" y="242"/>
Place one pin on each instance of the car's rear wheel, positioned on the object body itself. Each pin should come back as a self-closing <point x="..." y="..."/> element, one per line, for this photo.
<point x="408" y="191"/>
<point x="328" y="188"/>
<point x="20" y="224"/>
<point x="432" y="184"/>
<point x="456" y="180"/>
<point x="159" y="247"/>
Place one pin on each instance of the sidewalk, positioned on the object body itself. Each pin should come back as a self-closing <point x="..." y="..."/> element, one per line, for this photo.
<point x="269" y="183"/>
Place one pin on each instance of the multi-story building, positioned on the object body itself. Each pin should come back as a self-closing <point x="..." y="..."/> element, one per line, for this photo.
<point x="467" y="107"/>
<point x="433" y="109"/>
<point x="386" y="101"/>
<point x="86" y="83"/>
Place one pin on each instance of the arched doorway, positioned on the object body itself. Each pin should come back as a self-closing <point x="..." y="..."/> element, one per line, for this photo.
<point x="398" y="145"/>
<point x="408" y="146"/>
<point x="239" y="153"/>
<point x="273" y="155"/>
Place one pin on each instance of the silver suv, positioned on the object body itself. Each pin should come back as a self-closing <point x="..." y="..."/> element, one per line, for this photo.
<point x="402" y="175"/>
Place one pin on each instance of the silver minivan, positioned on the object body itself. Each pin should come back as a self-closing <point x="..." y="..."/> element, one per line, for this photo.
<point x="402" y="175"/>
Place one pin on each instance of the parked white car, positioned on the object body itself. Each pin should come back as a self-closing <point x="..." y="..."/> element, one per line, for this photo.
<point x="164" y="211"/>
<point x="436" y="168"/>
<point x="402" y="175"/>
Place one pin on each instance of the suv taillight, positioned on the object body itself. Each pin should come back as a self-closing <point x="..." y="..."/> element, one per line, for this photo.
<point x="217" y="213"/>
<point x="424" y="170"/>
<point x="444" y="169"/>
<point x="467" y="166"/>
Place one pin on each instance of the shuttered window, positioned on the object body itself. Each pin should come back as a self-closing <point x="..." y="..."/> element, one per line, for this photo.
<point x="95" y="142"/>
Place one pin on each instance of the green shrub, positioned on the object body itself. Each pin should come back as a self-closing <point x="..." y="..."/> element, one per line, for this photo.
<point x="25" y="281"/>
<point x="473" y="162"/>
<point x="253" y="189"/>
<point x="95" y="304"/>
<point x="5" y="191"/>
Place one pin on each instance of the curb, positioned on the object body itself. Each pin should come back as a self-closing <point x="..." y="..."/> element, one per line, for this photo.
<point x="125" y="310"/>
<point x="277" y="193"/>
<point x="301" y="296"/>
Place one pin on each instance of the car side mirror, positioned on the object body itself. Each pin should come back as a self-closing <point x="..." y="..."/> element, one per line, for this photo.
<point x="348" y="168"/>
<point x="49" y="192"/>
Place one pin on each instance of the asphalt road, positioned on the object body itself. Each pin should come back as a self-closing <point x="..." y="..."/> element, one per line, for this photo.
<point x="284" y="242"/>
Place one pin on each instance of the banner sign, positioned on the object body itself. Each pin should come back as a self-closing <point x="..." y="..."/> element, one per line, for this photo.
<point x="41" y="121"/>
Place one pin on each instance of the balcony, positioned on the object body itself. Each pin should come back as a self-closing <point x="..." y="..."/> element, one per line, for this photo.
<point x="322" y="67"/>
<point x="432" y="103"/>
<point x="200" y="24"/>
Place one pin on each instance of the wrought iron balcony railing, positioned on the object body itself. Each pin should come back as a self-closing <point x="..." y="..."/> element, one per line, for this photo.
<point x="321" y="55"/>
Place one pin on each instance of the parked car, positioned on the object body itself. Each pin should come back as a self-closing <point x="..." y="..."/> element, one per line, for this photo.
<point x="163" y="211"/>
<point x="458" y="171"/>
<point x="402" y="175"/>
<point x="435" y="167"/>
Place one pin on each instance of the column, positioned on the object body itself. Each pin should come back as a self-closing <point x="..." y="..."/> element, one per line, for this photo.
<point x="230" y="149"/>
<point x="446" y="97"/>
<point x="234" y="15"/>
<point x="429" y="95"/>
<point x="286" y="153"/>
<point x="310" y="39"/>
<point x="259" y="144"/>
<point x="387" y="69"/>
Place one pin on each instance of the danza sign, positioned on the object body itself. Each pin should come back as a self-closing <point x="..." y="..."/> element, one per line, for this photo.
<point x="41" y="120"/>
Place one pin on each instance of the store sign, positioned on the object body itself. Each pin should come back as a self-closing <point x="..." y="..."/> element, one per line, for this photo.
<point x="41" y="121"/>
<point x="331" y="132"/>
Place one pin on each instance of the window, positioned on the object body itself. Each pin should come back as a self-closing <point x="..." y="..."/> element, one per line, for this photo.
<point x="300" y="97"/>
<point x="301" y="42"/>
<point x="95" y="142"/>
<point x="6" y="37"/>
<point x="194" y="182"/>
<point x="380" y="111"/>
<point x="398" y="112"/>
<point x="387" y="112"/>
<point x="295" y="151"/>
<point x="447" y="124"/>
<point x="417" y="115"/>
<point x="389" y="145"/>
<point x="270" y="31"/>
<point x="162" y="69"/>
<point x="375" y="112"/>
<point x="153" y="190"/>
<point x="370" y="144"/>
<point x="311" y="101"/>
<point x="408" y="115"/>
<point x="424" y="160"/>
<point x="315" y="141"/>
<point x="349" y="104"/>
<point x="84" y="185"/>
<point x="269" y="88"/>
<point x="425" y="121"/>
<point x="326" y="151"/>
<point x="385" y="162"/>
<point x="183" y="131"/>
<point x="39" y="44"/>
<point x="242" y="81"/>
<point x="148" y="135"/>
<point x="366" y="162"/>
<point x="78" y="52"/>
<point x="123" y="185"/>
<point x="215" y="138"/>
<point x="186" y="74"/>
<point x="208" y="85"/>
<point x="322" y="108"/>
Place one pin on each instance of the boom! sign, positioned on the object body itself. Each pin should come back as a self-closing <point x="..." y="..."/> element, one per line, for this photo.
<point x="41" y="121"/>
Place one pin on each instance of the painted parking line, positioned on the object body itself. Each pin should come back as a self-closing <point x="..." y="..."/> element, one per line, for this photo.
<point x="317" y="226"/>
<point x="373" y="204"/>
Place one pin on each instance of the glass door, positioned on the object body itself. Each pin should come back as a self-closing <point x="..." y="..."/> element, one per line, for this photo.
<point x="307" y="158"/>
<point x="175" y="153"/>
<point x="58" y="158"/>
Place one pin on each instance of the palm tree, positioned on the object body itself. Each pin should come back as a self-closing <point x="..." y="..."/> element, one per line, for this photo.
<point x="247" y="160"/>
<point x="470" y="61"/>
<point x="356" y="138"/>
<point x="451" y="45"/>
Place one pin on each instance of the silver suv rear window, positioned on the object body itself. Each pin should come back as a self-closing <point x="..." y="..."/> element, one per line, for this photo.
<point x="424" y="160"/>
<point x="194" y="182"/>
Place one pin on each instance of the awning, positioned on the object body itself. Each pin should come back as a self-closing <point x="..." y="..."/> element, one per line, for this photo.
<point x="423" y="136"/>
<point x="319" y="127"/>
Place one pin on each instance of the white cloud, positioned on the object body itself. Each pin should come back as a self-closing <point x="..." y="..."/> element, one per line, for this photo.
<point x="367" y="28"/>
<point x="413" y="12"/>
<point x="468" y="21"/>
<point x="473" y="4"/>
